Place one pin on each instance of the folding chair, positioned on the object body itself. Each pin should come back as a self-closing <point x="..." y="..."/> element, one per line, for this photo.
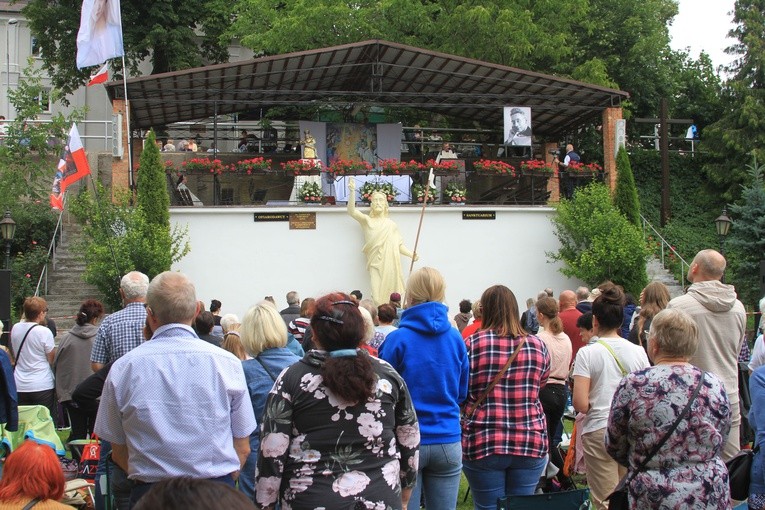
<point x="565" y="500"/>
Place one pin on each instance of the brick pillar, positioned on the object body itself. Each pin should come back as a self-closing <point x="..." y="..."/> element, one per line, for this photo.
<point x="610" y="116"/>
<point x="553" y="184"/>
<point x="120" y="166"/>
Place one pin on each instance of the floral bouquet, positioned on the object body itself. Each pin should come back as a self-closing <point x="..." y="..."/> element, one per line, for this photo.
<point x="418" y="193"/>
<point x="396" y="167"/>
<point x="302" y="166"/>
<point x="456" y="192"/>
<point x="213" y="166"/>
<point x="385" y="188"/>
<point x="539" y="166"/>
<point x="490" y="166"/>
<point x="446" y="165"/>
<point x="349" y="167"/>
<point x="310" y="193"/>
<point x="251" y="165"/>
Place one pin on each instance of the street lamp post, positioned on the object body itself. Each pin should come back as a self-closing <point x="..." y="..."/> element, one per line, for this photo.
<point x="7" y="231"/>
<point x="8" y="25"/>
<point x="722" y="225"/>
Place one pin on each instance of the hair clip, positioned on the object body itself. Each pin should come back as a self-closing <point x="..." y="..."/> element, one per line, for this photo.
<point x="344" y="302"/>
<point x="343" y="353"/>
<point x="330" y="319"/>
<point x="235" y="333"/>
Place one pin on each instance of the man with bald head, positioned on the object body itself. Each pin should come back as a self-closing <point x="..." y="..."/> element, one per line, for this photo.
<point x="176" y="406"/>
<point x="721" y="320"/>
<point x="569" y="315"/>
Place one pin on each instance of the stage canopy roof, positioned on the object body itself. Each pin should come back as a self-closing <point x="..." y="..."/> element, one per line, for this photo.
<point x="368" y="73"/>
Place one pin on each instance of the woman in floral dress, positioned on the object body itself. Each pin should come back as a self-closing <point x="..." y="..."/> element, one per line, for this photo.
<point x="339" y="430"/>
<point x="687" y="472"/>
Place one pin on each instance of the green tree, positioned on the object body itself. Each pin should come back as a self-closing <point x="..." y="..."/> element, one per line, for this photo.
<point x="747" y="235"/>
<point x="153" y="198"/>
<point x="739" y="134"/>
<point x="625" y="195"/>
<point x="597" y="241"/>
<point x="165" y="31"/>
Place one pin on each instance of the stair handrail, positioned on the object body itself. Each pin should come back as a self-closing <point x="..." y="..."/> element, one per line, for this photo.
<point x="683" y="263"/>
<point x="51" y="251"/>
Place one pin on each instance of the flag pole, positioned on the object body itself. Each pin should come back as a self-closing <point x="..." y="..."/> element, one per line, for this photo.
<point x="131" y="178"/>
<point x="422" y="215"/>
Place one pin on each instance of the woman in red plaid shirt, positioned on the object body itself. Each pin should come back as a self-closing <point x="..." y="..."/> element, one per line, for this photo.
<point x="504" y="439"/>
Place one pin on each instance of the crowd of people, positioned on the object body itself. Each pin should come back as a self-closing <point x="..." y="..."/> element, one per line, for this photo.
<point x="338" y="402"/>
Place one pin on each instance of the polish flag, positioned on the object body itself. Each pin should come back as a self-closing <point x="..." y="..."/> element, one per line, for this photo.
<point x="72" y="166"/>
<point x="101" y="76"/>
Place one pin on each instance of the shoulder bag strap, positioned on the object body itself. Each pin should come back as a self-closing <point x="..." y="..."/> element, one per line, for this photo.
<point x="496" y="378"/>
<point x="679" y="418"/>
<point x="265" y="368"/>
<point x="34" y="501"/>
<point x="18" y="353"/>
<point x="619" y="364"/>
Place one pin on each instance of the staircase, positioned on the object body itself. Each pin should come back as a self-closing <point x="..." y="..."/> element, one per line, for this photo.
<point x="656" y="272"/>
<point x="66" y="287"/>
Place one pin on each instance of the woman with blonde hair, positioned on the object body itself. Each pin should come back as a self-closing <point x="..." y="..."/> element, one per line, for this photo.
<point x="504" y="437"/>
<point x="653" y="299"/>
<point x="264" y="337"/>
<point x="430" y="355"/>
<point x="231" y="338"/>
<point x="553" y="394"/>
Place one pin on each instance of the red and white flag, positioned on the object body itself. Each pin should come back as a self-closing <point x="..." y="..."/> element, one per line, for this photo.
<point x="72" y="167"/>
<point x="101" y="75"/>
<point x="100" y="35"/>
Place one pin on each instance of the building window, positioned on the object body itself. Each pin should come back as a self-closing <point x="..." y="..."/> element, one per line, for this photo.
<point x="36" y="49"/>
<point x="44" y="99"/>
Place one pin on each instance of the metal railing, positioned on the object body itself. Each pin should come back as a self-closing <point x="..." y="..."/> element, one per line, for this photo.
<point x="58" y="234"/>
<point x="665" y="249"/>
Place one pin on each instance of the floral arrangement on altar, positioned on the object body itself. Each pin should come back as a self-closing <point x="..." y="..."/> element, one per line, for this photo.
<point x="418" y="193"/>
<point x="251" y="165"/>
<point x="538" y="166"/>
<point x="302" y="166"/>
<point x="370" y="187"/>
<point x="214" y="166"/>
<point x="456" y="193"/>
<point x="446" y="165"/>
<point x="310" y="193"/>
<point x="491" y="166"/>
<point x="349" y="167"/>
<point x="581" y="168"/>
<point x="396" y="167"/>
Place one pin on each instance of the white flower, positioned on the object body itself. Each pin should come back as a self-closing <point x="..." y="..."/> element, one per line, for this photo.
<point x="393" y="448"/>
<point x="414" y="461"/>
<point x="408" y="435"/>
<point x="391" y="472"/>
<point x="274" y="444"/>
<point x="385" y="386"/>
<point x="369" y="426"/>
<point x="351" y="483"/>
<point x="267" y="490"/>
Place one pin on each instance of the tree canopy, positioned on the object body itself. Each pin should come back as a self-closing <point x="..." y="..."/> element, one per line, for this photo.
<point x="164" y="31"/>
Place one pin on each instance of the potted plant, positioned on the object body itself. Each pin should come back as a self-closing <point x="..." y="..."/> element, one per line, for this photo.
<point x="494" y="167"/>
<point x="396" y="167"/>
<point x="350" y="167"/>
<point x="253" y="165"/>
<point x="202" y="165"/>
<point x="537" y="166"/>
<point x="310" y="193"/>
<point x="418" y="193"/>
<point x="370" y="187"/>
<point x="456" y="193"/>
<point x="302" y="167"/>
<point x="445" y="167"/>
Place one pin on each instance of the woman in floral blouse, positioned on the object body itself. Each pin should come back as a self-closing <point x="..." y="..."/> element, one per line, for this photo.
<point x="687" y="472"/>
<point x="339" y="429"/>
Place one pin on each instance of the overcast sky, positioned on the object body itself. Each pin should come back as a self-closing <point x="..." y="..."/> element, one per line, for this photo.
<point x="703" y="25"/>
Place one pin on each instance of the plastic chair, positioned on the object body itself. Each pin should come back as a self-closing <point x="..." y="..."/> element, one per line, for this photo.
<point x="565" y="500"/>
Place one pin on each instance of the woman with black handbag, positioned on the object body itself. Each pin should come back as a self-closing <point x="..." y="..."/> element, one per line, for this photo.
<point x="669" y="422"/>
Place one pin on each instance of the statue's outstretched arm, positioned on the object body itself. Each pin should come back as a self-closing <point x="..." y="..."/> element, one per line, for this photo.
<point x="351" y="207"/>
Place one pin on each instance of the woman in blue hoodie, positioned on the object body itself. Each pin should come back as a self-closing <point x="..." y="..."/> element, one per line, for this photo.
<point x="430" y="355"/>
